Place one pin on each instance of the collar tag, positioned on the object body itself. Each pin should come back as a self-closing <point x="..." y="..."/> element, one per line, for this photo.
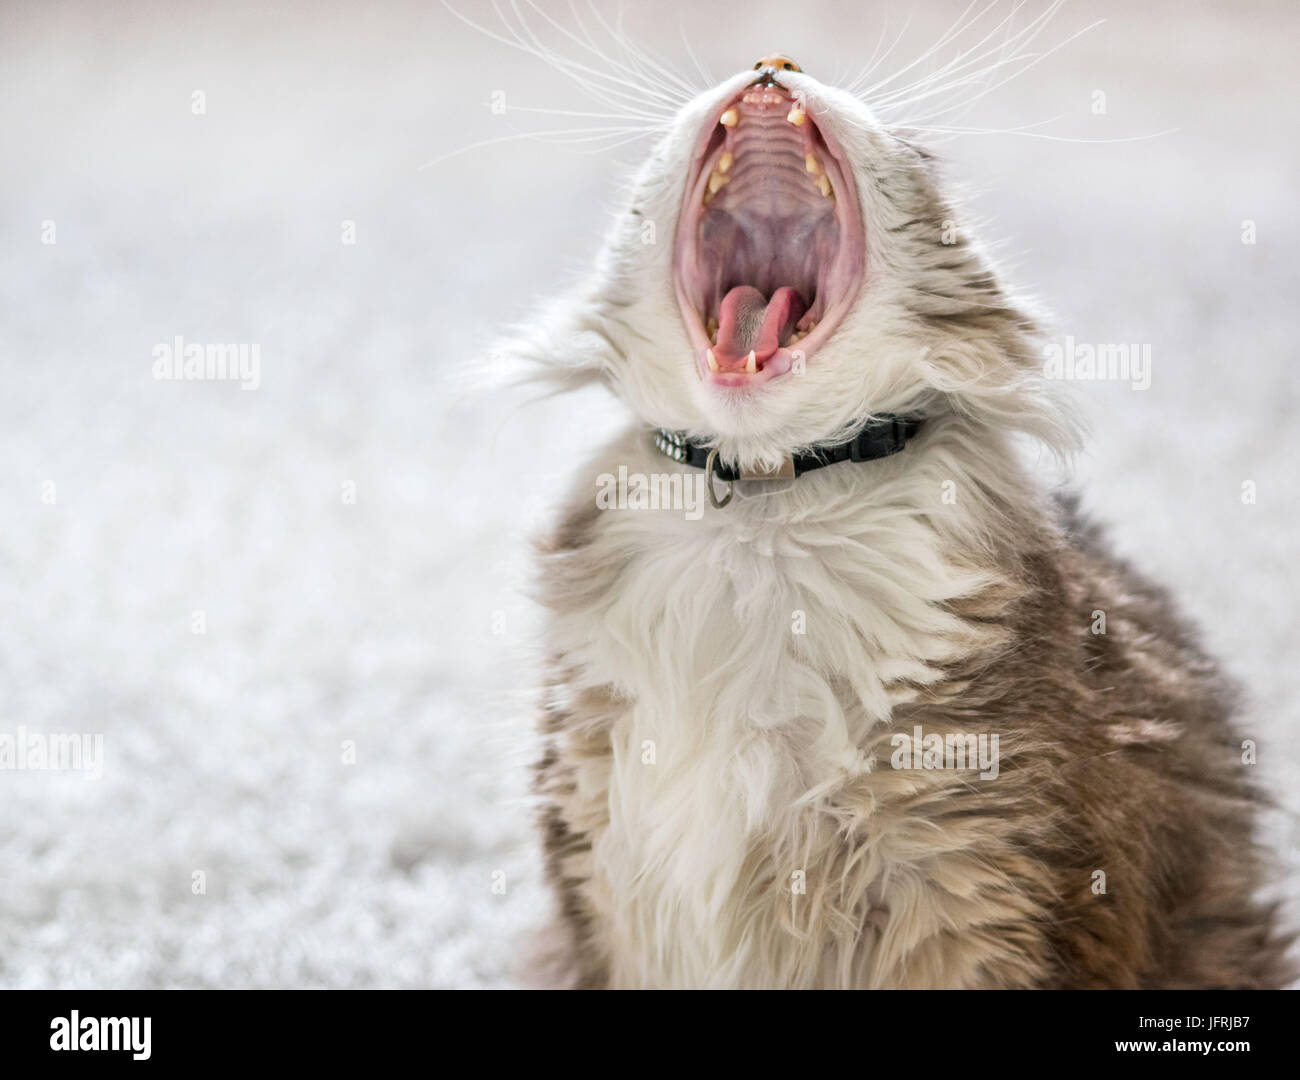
<point x="784" y="471"/>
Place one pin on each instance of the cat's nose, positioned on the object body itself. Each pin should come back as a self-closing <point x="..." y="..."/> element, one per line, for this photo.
<point x="770" y="65"/>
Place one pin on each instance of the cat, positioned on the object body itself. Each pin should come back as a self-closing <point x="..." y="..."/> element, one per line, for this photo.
<point x="886" y="712"/>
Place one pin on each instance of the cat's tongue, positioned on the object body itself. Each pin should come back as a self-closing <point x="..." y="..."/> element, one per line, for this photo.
<point x="748" y="323"/>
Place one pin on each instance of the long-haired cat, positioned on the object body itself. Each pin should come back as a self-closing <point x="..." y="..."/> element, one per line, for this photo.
<point x="838" y="696"/>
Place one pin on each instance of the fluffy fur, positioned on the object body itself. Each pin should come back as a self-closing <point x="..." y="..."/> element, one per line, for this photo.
<point x="719" y="806"/>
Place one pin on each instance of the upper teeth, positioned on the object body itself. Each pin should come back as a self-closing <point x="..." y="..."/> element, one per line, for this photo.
<point x="724" y="162"/>
<point x="730" y="118"/>
<point x="795" y="116"/>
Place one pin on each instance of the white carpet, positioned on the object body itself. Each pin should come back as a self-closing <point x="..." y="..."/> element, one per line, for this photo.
<point x="374" y="622"/>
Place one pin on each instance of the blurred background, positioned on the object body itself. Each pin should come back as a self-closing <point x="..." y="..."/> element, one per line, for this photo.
<point x="353" y="531"/>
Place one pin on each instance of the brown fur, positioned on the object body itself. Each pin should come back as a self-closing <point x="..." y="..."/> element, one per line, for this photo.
<point x="1118" y="755"/>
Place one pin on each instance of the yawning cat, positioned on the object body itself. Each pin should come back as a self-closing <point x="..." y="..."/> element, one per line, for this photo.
<point x="885" y="713"/>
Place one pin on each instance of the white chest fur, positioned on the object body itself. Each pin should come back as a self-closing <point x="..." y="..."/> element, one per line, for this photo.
<point x="761" y="648"/>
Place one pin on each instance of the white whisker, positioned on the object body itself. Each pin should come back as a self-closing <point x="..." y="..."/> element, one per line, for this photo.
<point x="639" y="94"/>
<point x="964" y="58"/>
<point x="569" y="66"/>
<point x="703" y="71"/>
<point x="1025" y="130"/>
<point x="610" y="88"/>
<point x="562" y="136"/>
<point x="655" y="121"/>
<point x="1000" y="54"/>
<point x="855" y="87"/>
<point x="949" y="35"/>
<point x="649" y="67"/>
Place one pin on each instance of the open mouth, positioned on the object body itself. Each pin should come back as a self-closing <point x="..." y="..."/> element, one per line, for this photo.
<point x="769" y="251"/>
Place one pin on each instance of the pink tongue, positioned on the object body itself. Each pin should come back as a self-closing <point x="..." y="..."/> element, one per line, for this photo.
<point x="748" y="323"/>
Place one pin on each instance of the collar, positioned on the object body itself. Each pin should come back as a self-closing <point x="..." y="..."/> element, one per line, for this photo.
<point x="876" y="438"/>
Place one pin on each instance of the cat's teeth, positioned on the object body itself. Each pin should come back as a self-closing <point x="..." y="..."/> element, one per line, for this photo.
<point x="730" y="118"/>
<point x="812" y="163"/>
<point x="716" y="181"/>
<point x="824" y="185"/>
<point x="724" y="162"/>
<point x="711" y="328"/>
<point x="751" y="365"/>
<point x="713" y="360"/>
<point x="795" y="116"/>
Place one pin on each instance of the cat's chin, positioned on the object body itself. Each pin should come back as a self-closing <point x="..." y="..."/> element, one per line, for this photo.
<point x="770" y="251"/>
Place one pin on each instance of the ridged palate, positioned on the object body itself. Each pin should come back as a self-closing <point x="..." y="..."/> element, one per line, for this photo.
<point x="763" y="164"/>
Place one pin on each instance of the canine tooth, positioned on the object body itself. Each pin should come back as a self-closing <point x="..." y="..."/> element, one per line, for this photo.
<point x="713" y="361"/>
<point x="716" y="181"/>
<point x="751" y="365"/>
<point x="711" y="328"/>
<point x="724" y="162"/>
<point x="730" y="118"/>
<point x="795" y="116"/>
<point x="824" y="184"/>
<point x="812" y="163"/>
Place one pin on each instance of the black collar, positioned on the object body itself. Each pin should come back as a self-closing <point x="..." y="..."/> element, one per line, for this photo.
<point x="876" y="439"/>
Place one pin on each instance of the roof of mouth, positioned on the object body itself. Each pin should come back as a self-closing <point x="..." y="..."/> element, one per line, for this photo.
<point x="769" y="158"/>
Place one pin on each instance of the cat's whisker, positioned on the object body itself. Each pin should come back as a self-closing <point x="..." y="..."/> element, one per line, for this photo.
<point x="954" y="76"/>
<point x="1034" y="62"/>
<point x="652" y="122"/>
<point x="1024" y="130"/>
<point x="700" y="68"/>
<point x="562" y="136"/>
<point x="632" y="77"/>
<point x="610" y="88"/>
<point x="856" y="86"/>
<point x="648" y="67"/>
<point x="614" y="89"/>
<point x="951" y="34"/>
<point x="964" y="58"/>
<point x="974" y="79"/>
